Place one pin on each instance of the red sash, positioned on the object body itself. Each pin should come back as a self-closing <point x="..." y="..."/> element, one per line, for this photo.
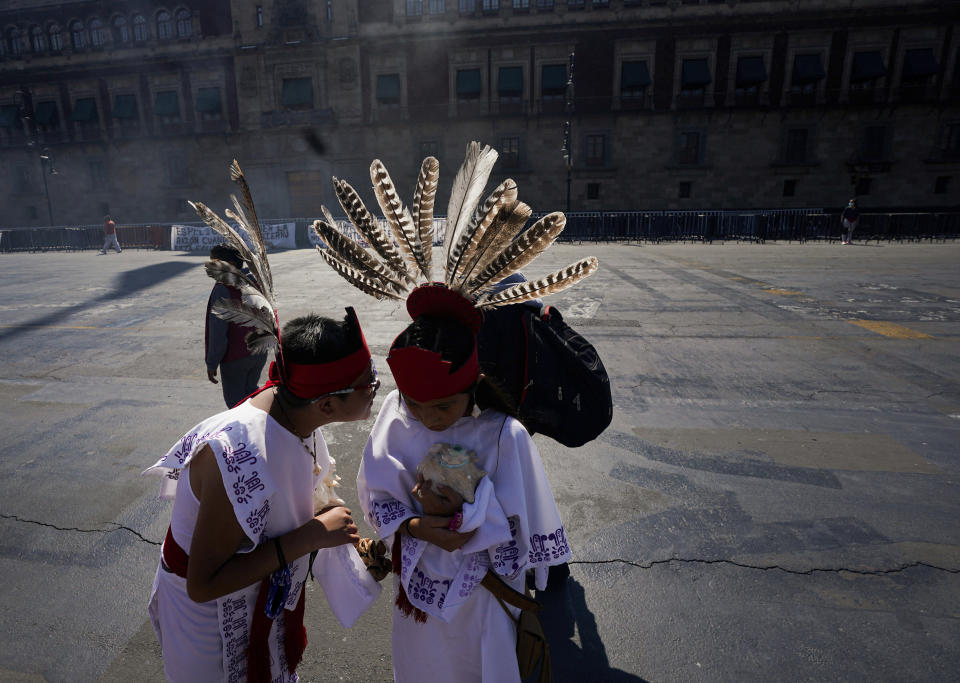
<point x="175" y="559"/>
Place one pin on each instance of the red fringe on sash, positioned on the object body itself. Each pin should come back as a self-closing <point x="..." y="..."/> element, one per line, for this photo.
<point x="403" y="602"/>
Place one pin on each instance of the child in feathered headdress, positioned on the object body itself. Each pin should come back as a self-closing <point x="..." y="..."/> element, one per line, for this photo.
<point x="446" y="624"/>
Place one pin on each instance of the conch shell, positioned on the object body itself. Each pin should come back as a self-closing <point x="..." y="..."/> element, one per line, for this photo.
<point x="453" y="466"/>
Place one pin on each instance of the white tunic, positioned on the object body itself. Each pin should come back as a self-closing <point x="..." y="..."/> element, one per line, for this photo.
<point x="268" y="476"/>
<point x="467" y="637"/>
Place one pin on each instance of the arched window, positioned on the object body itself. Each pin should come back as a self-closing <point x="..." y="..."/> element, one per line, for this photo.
<point x="78" y="36"/>
<point x="164" y="25"/>
<point x="56" y="37"/>
<point x="140" y="30"/>
<point x="13" y="42"/>
<point x="97" y="36"/>
<point x="121" y="30"/>
<point x="184" y="23"/>
<point x="38" y="41"/>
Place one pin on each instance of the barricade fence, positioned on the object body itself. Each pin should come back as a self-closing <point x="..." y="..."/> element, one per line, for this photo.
<point x="791" y="225"/>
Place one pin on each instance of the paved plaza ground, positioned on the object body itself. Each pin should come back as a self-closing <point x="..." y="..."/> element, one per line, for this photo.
<point x="777" y="497"/>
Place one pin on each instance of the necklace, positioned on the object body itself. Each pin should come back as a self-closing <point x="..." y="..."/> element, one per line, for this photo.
<point x="311" y="452"/>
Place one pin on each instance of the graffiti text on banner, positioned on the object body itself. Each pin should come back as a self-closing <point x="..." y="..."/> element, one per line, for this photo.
<point x="191" y="238"/>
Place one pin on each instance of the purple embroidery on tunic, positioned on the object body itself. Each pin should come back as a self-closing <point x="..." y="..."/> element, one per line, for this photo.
<point x="244" y="486"/>
<point x="548" y="547"/>
<point x="508" y="553"/>
<point x="423" y="589"/>
<point x="257" y="516"/>
<point x="387" y="512"/>
<point x="188" y="441"/>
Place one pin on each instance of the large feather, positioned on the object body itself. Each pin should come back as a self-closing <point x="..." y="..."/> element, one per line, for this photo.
<point x="352" y="254"/>
<point x="467" y="187"/>
<point x="376" y="238"/>
<point x="463" y="252"/>
<point x="398" y="217"/>
<point x="224" y="229"/>
<point x="261" y="342"/>
<point x="551" y="284"/>
<point x="365" y="284"/>
<point x="229" y="275"/>
<point x="423" y="200"/>
<point x="508" y="224"/>
<point x="242" y="313"/>
<point x="522" y="251"/>
<point x="236" y="175"/>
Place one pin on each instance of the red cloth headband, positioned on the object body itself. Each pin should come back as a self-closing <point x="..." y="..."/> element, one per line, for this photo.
<point x="317" y="379"/>
<point x="435" y="298"/>
<point x="424" y="376"/>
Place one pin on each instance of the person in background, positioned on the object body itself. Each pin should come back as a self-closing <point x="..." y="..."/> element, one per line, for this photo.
<point x="225" y="342"/>
<point x="849" y="219"/>
<point x="110" y="235"/>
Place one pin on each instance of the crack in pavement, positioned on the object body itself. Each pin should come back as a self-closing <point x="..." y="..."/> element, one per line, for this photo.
<point x="117" y="527"/>
<point x="804" y="572"/>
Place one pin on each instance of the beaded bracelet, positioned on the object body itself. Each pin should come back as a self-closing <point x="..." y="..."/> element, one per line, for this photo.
<point x="456" y="521"/>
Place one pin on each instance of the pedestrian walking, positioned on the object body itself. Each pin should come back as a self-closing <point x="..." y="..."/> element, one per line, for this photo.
<point x="848" y="221"/>
<point x="110" y="235"/>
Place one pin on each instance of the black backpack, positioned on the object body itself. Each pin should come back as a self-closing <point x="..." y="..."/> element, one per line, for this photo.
<point x="542" y="372"/>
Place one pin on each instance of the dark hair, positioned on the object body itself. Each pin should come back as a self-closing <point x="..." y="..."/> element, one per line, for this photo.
<point x="224" y="252"/>
<point x="312" y="339"/>
<point x="445" y="336"/>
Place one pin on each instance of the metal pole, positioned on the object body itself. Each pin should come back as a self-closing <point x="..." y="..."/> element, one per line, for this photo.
<point x="44" y="160"/>
<point x="567" y="127"/>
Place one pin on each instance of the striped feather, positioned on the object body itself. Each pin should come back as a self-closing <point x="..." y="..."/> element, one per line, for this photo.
<point x="365" y="284"/>
<point x="551" y="284"/>
<point x="353" y="255"/>
<point x="521" y="251"/>
<point x="398" y="217"/>
<point x="250" y="212"/>
<point x="467" y="187"/>
<point x="229" y="275"/>
<point x="242" y="313"/>
<point x="424" y="198"/>
<point x="261" y="342"/>
<point x="508" y="224"/>
<point x="464" y="252"/>
<point x="376" y="238"/>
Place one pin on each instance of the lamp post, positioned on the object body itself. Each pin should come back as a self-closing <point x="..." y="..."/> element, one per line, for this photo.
<point x="567" y="149"/>
<point x="25" y="109"/>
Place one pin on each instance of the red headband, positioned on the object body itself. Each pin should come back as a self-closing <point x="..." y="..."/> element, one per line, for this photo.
<point x="424" y="376"/>
<point x="316" y="379"/>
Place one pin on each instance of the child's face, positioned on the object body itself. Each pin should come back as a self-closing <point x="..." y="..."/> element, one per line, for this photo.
<point x="439" y="413"/>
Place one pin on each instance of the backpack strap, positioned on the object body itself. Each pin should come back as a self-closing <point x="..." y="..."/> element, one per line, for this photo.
<point x="504" y="593"/>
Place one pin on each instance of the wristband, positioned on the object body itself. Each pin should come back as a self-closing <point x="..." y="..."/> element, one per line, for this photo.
<point x="456" y="521"/>
<point x="283" y="560"/>
<point x="406" y="524"/>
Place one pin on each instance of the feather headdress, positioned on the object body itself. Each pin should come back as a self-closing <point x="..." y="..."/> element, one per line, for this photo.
<point x="257" y="307"/>
<point x="481" y="245"/>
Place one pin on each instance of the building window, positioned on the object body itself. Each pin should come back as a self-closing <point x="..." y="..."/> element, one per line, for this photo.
<point x="184" y="23"/>
<point x="47" y="117"/>
<point x="949" y="147"/>
<point x="544" y="4"/>
<point x="56" y="38"/>
<point x="78" y="37"/>
<point x="38" y="41"/>
<point x="634" y="81"/>
<point x="575" y="4"/>
<point x="521" y="5"/>
<point x="789" y="187"/>
<point x="468" y="6"/>
<point x="510" y="88"/>
<point x="164" y="25"/>
<point x="388" y="90"/>
<point x="684" y="189"/>
<point x="414" y="8"/>
<point x="438" y="6"/>
<point x="510" y="152"/>
<point x="140" y="30"/>
<point x="98" y="174"/>
<point x="807" y="73"/>
<point x="468" y="84"/>
<point x="690" y="147"/>
<point x="595" y="150"/>
<point x="86" y="118"/>
<point x="751" y="75"/>
<point x="259" y="16"/>
<point x="553" y="81"/>
<point x="97" y="34"/>
<point x="208" y="104"/>
<point x="867" y="67"/>
<point x="942" y="184"/>
<point x="491" y="5"/>
<point x="796" y="146"/>
<point x="166" y="106"/>
<point x="125" y="112"/>
<point x="121" y="30"/>
<point x="593" y="190"/>
<point x="297" y="93"/>
<point x="694" y="79"/>
<point x="918" y="77"/>
<point x="14" y="42"/>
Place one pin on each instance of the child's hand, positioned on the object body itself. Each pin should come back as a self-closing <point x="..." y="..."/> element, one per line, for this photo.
<point x="447" y="502"/>
<point x="336" y="527"/>
<point x="434" y="529"/>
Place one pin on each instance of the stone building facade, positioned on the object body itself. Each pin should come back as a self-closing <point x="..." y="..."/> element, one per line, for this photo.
<point x="140" y="105"/>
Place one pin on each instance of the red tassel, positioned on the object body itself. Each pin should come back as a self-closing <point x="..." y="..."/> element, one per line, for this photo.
<point x="258" y="649"/>
<point x="403" y="602"/>
<point x="295" y="635"/>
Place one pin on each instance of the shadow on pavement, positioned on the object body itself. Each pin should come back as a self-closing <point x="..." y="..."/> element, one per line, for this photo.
<point x="565" y="614"/>
<point x="124" y="284"/>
